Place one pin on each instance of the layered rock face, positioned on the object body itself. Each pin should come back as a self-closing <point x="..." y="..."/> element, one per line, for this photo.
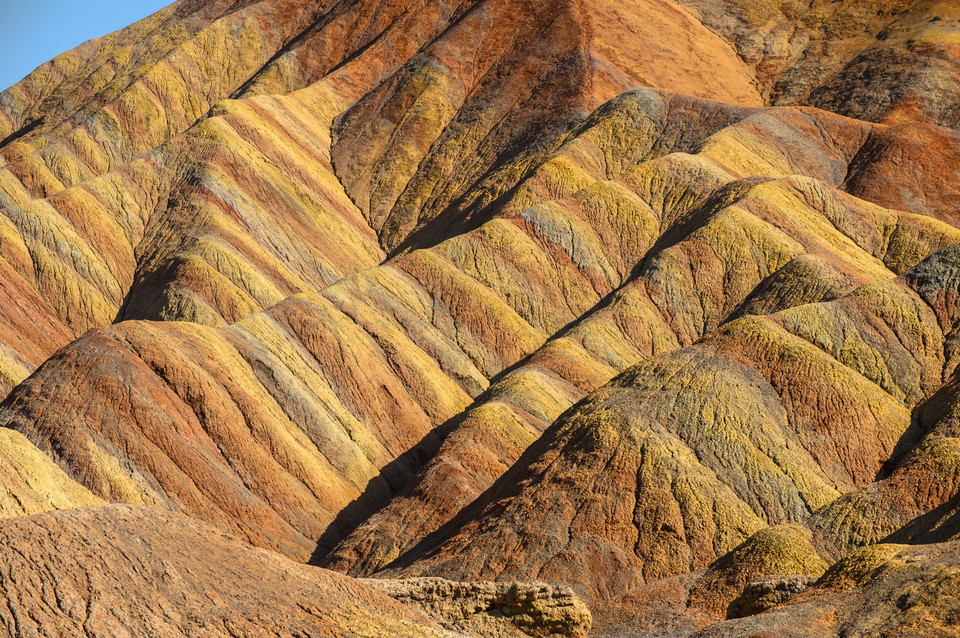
<point x="655" y="301"/>
<point x="487" y="608"/>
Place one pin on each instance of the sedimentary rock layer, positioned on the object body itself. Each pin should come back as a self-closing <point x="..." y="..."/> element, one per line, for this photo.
<point x="601" y="294"/>
<point x="679" y="459"/>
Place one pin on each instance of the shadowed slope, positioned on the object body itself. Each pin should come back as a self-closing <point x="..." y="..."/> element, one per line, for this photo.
<point x="924" y="480"/>
<point x="433" y="139"/>
<point x="876" y="60"/>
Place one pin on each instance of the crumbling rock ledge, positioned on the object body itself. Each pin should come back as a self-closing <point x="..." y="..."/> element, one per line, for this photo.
<point x="493" y="609"/>
<point x="761" y="595"/>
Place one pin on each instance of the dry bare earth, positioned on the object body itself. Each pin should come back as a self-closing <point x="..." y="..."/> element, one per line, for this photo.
<point x="433" y="289"/>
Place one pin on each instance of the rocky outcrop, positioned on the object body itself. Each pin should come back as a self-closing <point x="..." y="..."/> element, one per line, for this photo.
<point x="884" y="590"/>
<point x="762" y="572"/>
<point x="493" y="609"/>
<point x="760" y="595"/>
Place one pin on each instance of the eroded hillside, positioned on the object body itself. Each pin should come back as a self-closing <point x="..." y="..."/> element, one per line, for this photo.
<point x="653" y="300"/>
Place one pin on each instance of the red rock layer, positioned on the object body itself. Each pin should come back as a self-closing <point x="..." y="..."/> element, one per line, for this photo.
<point x="358" y="253"/>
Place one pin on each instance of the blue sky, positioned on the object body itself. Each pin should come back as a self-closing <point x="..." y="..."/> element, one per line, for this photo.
<point x="34" y="31"/>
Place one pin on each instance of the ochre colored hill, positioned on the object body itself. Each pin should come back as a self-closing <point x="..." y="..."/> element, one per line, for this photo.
<point x="140" y="178"/>
<point x="330" y="399"/>
<point x="655" y="300"/>
<point x="662" y="305"/>
<point x="679" y="459"/>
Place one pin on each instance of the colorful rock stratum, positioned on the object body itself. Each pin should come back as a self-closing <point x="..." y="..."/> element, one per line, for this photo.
<point x="529" y="318"/>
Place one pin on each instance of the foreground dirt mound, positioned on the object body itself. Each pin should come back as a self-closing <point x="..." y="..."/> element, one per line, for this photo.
<point x="124" y="570"/>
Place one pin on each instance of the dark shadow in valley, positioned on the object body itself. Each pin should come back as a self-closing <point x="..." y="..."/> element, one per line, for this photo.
<point x="393" y="478"/>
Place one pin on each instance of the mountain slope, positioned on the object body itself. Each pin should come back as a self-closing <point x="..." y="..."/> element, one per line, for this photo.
<point x="678" y="460"/>
<point x="597" y="293"/>
<point x="149" y="212"/>
<point x="294" y="427"/>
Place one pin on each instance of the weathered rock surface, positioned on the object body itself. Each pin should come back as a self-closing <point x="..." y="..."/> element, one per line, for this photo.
<point x="774" y="555"/>
<point x="680" y="459"/>
<point x="884" y="590"/>
<point x="760" y="595"/>
<point x="306" y="441"/>
<point x="124" y="570"/>
<point x="493" y="609"/>
<point x="434" y="289"/>
<point x="698" y="274"/>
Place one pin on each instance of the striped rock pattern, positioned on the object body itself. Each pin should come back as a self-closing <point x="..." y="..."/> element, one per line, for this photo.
<point x="592" y="293"/>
